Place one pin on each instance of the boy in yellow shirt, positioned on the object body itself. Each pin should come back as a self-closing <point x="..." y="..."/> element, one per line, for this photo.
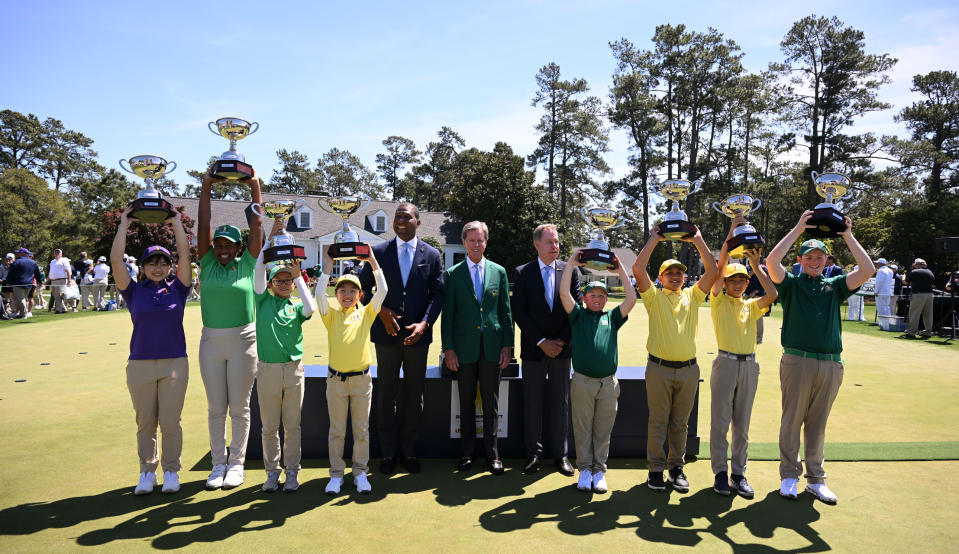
<point x="349" y="386"/>
<point x="735" y="373"/>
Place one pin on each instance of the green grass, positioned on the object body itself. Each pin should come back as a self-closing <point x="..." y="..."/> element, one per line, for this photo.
<point x="69" y="463"/>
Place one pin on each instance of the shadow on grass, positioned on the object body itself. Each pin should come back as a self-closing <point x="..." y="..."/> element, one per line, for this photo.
<point x="656" y="520"/>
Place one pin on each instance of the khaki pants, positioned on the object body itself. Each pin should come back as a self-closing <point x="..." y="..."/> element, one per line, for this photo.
<point x="157" y="388"/>
<point x="20" y="299"/>
<point x="279" y="390"/>
<point x="352" y="396"/>
<point x="920" y="306"/>
<point x="228" y="369"/>
<point x="733" y="388"/>
<point x="809" y="387"/>
<point x="593" y="407"/>
<point x="670" y="393"/>
<point x="99" y="293"/>
<point x="85" y="294"/>
<point x="56" y="294"/>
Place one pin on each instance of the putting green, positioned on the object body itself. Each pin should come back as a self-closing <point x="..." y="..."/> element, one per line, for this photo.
<point x="69" y="463"/>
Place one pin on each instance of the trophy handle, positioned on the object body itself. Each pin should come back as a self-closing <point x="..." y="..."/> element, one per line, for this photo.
<point x="212" y="128"/>
<point x="815" y="175"/>
<point x="846" y="197"/>
<point x="170" y="169"/>
<point x="697" y="186"/>
<point x="124" y="167"/>
<point x="618" y="225"/>
<point x="325" y="207"/>
<point x="717" y="208"/>
<point x="756" y="204"/>
<point x="368" y="200"/>
<point x="256" y="208"/>
<point x="254" y="127"/>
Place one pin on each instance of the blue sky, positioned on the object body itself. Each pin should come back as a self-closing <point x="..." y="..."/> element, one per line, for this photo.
<point x="146" y="78"/>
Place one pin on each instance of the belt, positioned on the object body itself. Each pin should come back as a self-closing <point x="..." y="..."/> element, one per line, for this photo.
<point x="814" y="355"/>
<point x="674" y="365"/>
<point x="344" y="375"/>
<point x="740" y="357"/>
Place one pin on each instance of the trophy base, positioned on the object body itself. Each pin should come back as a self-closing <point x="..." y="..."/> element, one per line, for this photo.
<point x="738" y="245"/>
<point x="677" y="230"/>
<point x="151" y="210"/>
<point x="232" y="169"/>
<point x="598" y="259"/>
<point x="829" y="223"/>
<point x="349" y="250"/>
<point x="287" y="252"/>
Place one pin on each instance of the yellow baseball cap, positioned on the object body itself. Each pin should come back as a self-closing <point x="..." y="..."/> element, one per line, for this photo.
<point x="348" y="278"/>
<point x="736" y="269"/>
<point x="670" y="263"/>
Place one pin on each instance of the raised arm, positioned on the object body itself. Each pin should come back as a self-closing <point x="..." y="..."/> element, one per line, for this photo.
<point x="769" y="289"/>
<point x="565" y="296"/>
<point x="724" y="258"/>
<point x="855" y="279"/>
<point x="642" y="260"/>
<point x="381" y="289"/>
<point x="630" y="301"/>
<point x="256" y="223"/>
<point x="259" y="275"/>
<point x="322" y="301"/>
<point x="183" y="272"/>
<point x="120" y="276"/>
<point x="774" y="260"/>
<point x="204" y="229"/>
<point x="710" y="270"/>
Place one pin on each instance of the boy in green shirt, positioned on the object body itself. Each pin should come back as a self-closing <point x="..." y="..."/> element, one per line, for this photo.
<point x="594" y="389"/>
<point x="279" y="380"/>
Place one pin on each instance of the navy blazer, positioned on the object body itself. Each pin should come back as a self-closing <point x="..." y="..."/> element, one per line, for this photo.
<point x="420" y="300"/>
<point x="532" y="314"/>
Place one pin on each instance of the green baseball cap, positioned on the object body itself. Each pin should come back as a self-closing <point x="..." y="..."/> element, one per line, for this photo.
<point x="278" y="269"/>
<point x="595" y="285"/>
<point x="228" y="232"/>
<point x="812" y="244"/>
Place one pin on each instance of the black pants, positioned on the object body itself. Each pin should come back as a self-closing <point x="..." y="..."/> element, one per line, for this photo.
<point x="535" y="375"/>
<point x="389" y="358"/>
<point x="487" y="373"/>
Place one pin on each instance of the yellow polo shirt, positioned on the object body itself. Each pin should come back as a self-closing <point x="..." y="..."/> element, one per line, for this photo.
<point x="673" y="319"/>
<point x="735" y="322"/>
<point x="349" y="335"/>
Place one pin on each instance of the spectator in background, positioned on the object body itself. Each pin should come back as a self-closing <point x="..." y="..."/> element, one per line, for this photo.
<point x="59" y="276"/>
<point x="831" y="269"/>
<point x="100" y="273"/>
<point x="81" y="270"/>
<point x="20" y="276"/>
<point x="6" y="290"/>
<point x="855" y="310"/>
<point x="952" y="284"/>
<point x="884" y="287"/>
<point x="896" y="285"/>
<point x="922" y="281"/>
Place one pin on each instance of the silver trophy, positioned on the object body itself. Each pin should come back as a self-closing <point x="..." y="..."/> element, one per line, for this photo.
<point x="149" y="206"/>
<point x="232" y="164"/>
<point x="282" y="249"/>
<point x="598" y="256"/>
<point x="347" y="243"/>
<point x="745" y="237"/>
<point x="676" y="225"/>
<point x="827" y="218"/>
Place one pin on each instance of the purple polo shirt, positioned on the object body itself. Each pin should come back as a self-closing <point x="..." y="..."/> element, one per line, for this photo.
<point x="157" y="314"/>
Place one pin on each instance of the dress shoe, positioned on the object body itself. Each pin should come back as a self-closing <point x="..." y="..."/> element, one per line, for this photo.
<point x="532" y="466"/>
<point x="564" y="467"/>
<point x="496" y="467"/>
<point x="387" y="466"/>
<point x="413" y="465"/>
<point x="465" y="463"/>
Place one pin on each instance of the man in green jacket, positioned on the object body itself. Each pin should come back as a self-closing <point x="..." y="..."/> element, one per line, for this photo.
<point x="477" y="334"/>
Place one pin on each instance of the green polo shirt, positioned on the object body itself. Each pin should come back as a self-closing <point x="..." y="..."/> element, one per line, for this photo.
<point x="811" y="320"/>
<point x="595" y="352"/>
<point x="226" y="291"/>
<point x="279" y="331"/>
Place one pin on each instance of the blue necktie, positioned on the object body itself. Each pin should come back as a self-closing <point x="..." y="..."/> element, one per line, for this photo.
<point x="406" y="262"/>
<point x="548" y="284"/>
<point x="478" y="283"/>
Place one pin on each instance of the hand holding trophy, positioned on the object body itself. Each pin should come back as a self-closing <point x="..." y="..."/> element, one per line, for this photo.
<point x="149" y="206"/>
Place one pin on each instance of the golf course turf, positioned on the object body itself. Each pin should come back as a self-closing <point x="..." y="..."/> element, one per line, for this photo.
<point x="68" y="465"/>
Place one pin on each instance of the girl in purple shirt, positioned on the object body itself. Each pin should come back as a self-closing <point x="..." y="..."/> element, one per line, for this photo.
<point x="157" y="370"/>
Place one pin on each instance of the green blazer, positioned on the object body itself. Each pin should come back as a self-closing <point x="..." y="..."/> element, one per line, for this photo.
<point x="465" y="321"/>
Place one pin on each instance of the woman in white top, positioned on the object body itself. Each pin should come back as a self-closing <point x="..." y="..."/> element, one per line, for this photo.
<point x="99" y="272"/>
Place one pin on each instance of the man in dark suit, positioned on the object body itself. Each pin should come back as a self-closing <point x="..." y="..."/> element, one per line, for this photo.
<point x="477" y="334"/>
<point x="403" y="332"/>
<point x="831" y="269"/>
<point x="545" y="339"/>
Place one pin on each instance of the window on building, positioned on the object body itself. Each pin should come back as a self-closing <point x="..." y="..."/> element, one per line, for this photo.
<point x="380" y="223"/>
<point x="306" y="220"/>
